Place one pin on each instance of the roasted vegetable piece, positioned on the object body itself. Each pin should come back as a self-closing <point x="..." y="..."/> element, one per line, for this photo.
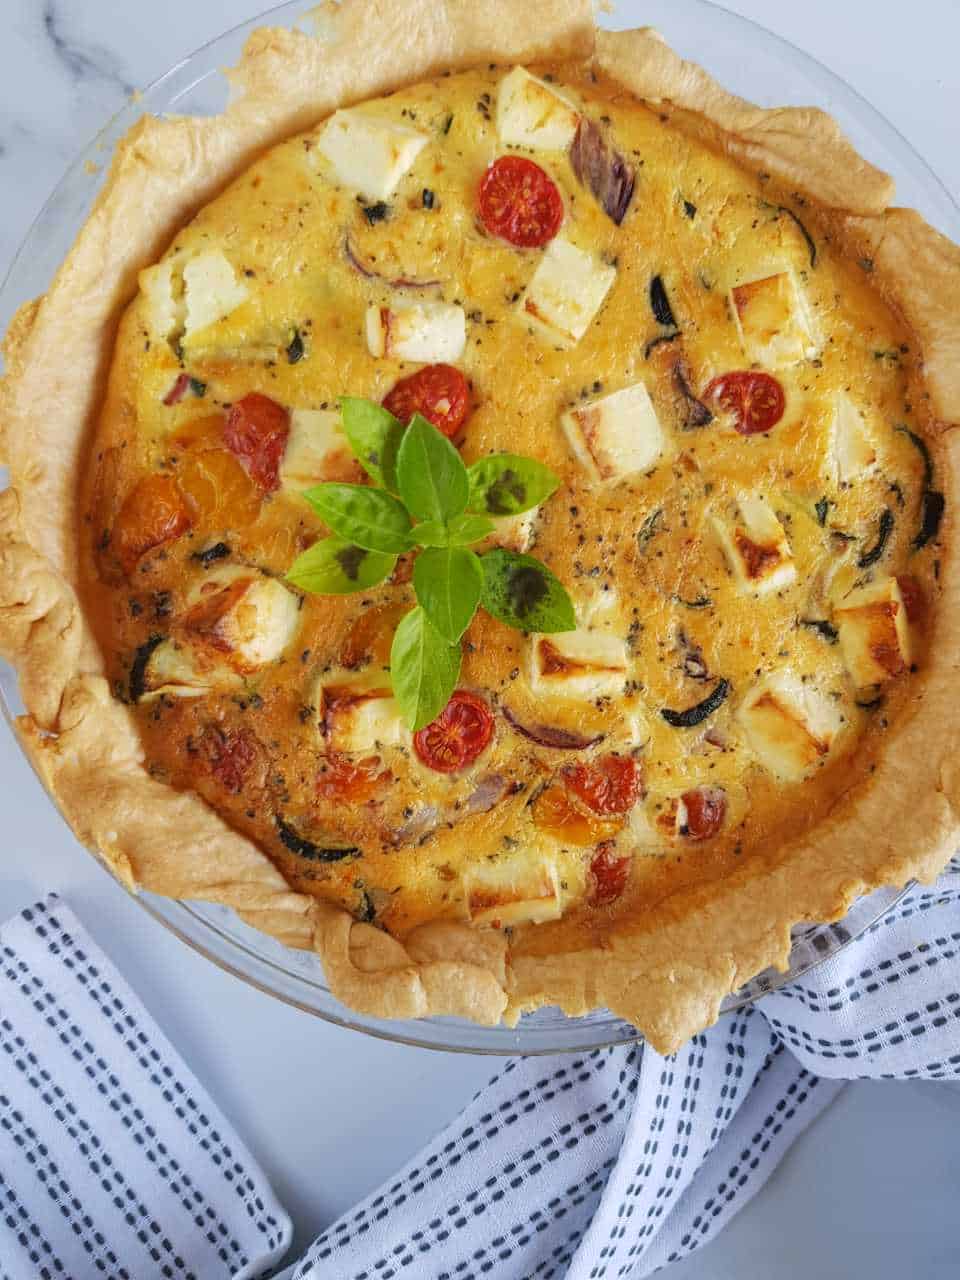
<point x="695" y="715"/>
<point x="603" y="170"/>
<point x="155" y="511"/>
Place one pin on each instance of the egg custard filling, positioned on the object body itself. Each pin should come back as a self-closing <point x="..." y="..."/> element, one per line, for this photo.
<point x="742" y="512"/>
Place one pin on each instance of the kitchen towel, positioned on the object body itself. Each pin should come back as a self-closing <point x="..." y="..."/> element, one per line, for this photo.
<point x="114" y="1162"/>
<point x="618" y="1162"/>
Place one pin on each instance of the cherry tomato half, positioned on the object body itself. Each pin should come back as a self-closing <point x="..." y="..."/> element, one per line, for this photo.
<point x="229" y="755"/>
<point x="460" y="732"/>
<point x="438" y="391"/>
<point x="354" y="781"/>
<point x="608" y="874"/>
<point x="706" y="809"/>
<point x="153" y="512"/>
<point x="914" y="601"/>
<point x="520" y="202"/>
<point x="755" y="400"/>
<point x="613" y="784"/>
<point x="256" y="431"/>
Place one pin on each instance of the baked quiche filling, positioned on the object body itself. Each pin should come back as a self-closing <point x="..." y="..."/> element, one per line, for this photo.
<point x="744" y="511"/>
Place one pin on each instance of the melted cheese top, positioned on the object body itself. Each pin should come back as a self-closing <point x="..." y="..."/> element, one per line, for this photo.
<point x="706" y="566"/>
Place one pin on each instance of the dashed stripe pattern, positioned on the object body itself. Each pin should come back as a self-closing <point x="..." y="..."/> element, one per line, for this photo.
<point x="617" y="1163"/>
<point x="114" y="1162"/>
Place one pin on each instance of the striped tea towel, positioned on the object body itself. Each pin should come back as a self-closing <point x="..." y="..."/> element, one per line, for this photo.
<point x="114" y="1162"/>
<point x="618" y="1162"/>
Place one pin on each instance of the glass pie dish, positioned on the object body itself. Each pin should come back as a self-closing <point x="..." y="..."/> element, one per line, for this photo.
<point x="776" y="72"/>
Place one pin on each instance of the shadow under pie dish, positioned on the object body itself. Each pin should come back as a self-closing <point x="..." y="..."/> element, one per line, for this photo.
<point x="748" y="580"/>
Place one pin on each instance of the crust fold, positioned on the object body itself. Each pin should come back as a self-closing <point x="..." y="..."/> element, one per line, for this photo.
<point x="802" y="146"/>
<point x="670" y="979"/>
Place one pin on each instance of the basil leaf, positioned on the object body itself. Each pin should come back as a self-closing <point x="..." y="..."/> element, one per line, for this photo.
<point x="431" y="477"/>
<point x="523" y="593"/>
<point x="506" y="484"/>
<point x="335" y="567"/>
<point x="424" y="669"/>
<point x="374" y="435"/>
<point x="447" y="581"/>
<point x="369" y="517"/>
<point x="462" y="531"/>
<point x="431" y="533"/>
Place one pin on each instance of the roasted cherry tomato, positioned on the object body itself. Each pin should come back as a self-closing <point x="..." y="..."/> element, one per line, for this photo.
<point x="913" y="598"/>
<point x="755" y="400"/>
<point x="612" y="785"/>
<point x="229" y="755"/>
<point x="256" y="431"/>
<point x="706" y="808"/>
<point x="460" y="732"/>
<point x="608" y="874"/>
<point x="557" y="813"/>
<point x="153" y="512"/>
<point x="438" y="391"/>
<point x="520" y="202"/>
<point x="355" y="781"/>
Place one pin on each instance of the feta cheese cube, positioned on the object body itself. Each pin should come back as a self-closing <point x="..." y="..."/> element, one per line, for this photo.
<point x="162" y="287"/>
<point x="427" y="332"/>
<point x="524" y="889"/>
<point x="180" y="671"/>
<point x="756" y="548"/>
<point x="772" y="320"/>
<point x="566" y="292"/>
<point x="359" y="717"/>
<point x="789" y="725"/>
<point x="532" y="114"/>
<point x="617" y="435"/>
<point x="243" y="614"/>
<point x="369" y="154"/>
<point x="211" y="289"/>
<point x="316" y="441"/>
<point x="853" y="450"/>
<point x="581" y="664"/>
<point x="874" y="632"/>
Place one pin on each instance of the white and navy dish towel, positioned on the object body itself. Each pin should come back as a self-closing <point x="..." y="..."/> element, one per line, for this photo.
<point x="607" y="1164"/>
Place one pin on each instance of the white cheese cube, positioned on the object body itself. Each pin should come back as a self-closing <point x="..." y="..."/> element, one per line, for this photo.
<point x="162" y="287"/>
<point x="566" y="292"/>
<point x="315" y="442"/>
<point x="524" y="889"/>
<point x="772" y="320"/>
<point x="427" y="332"/>
<point x="212" y="290"/>
<point x="789" y="725"/>
<point x="756" y="547"/>
<point x="243" y="614"/>
<point x="578" y="664"/>
<point x="617" y="435"/>
<point x="368" y="154"/>
<point x="358" y="718"/>
<point x="179" y="671"/>
<point x="515" y="533"/>
<point x="874" y="632"/>
<point x="853" y="450"/>
<point x="531" y="114"/>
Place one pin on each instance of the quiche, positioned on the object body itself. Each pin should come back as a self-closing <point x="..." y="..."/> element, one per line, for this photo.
<point x="556" y="252"/>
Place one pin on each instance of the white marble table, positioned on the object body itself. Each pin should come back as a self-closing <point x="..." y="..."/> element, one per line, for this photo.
<point x="872" y="1189"/>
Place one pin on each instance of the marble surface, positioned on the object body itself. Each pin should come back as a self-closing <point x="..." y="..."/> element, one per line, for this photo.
<point x="872" y="1189"/>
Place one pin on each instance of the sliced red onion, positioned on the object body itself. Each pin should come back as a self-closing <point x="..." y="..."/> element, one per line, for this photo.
<point x="364" y="268"/>
<point x="548" y="735"/>
<point x="602" y="169"/>
<point x="178" y="390"/>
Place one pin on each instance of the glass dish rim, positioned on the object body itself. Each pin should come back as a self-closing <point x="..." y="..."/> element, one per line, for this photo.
<point x="290" y="13"/>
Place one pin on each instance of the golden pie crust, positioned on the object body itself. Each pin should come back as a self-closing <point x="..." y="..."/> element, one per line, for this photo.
<point x="669" y="975"/>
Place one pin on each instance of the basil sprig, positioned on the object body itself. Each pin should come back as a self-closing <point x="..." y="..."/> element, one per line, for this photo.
<point x="425" y="499"/>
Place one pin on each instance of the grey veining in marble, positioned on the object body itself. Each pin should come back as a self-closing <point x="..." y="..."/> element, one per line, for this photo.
<point x="871" y="1190"/>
